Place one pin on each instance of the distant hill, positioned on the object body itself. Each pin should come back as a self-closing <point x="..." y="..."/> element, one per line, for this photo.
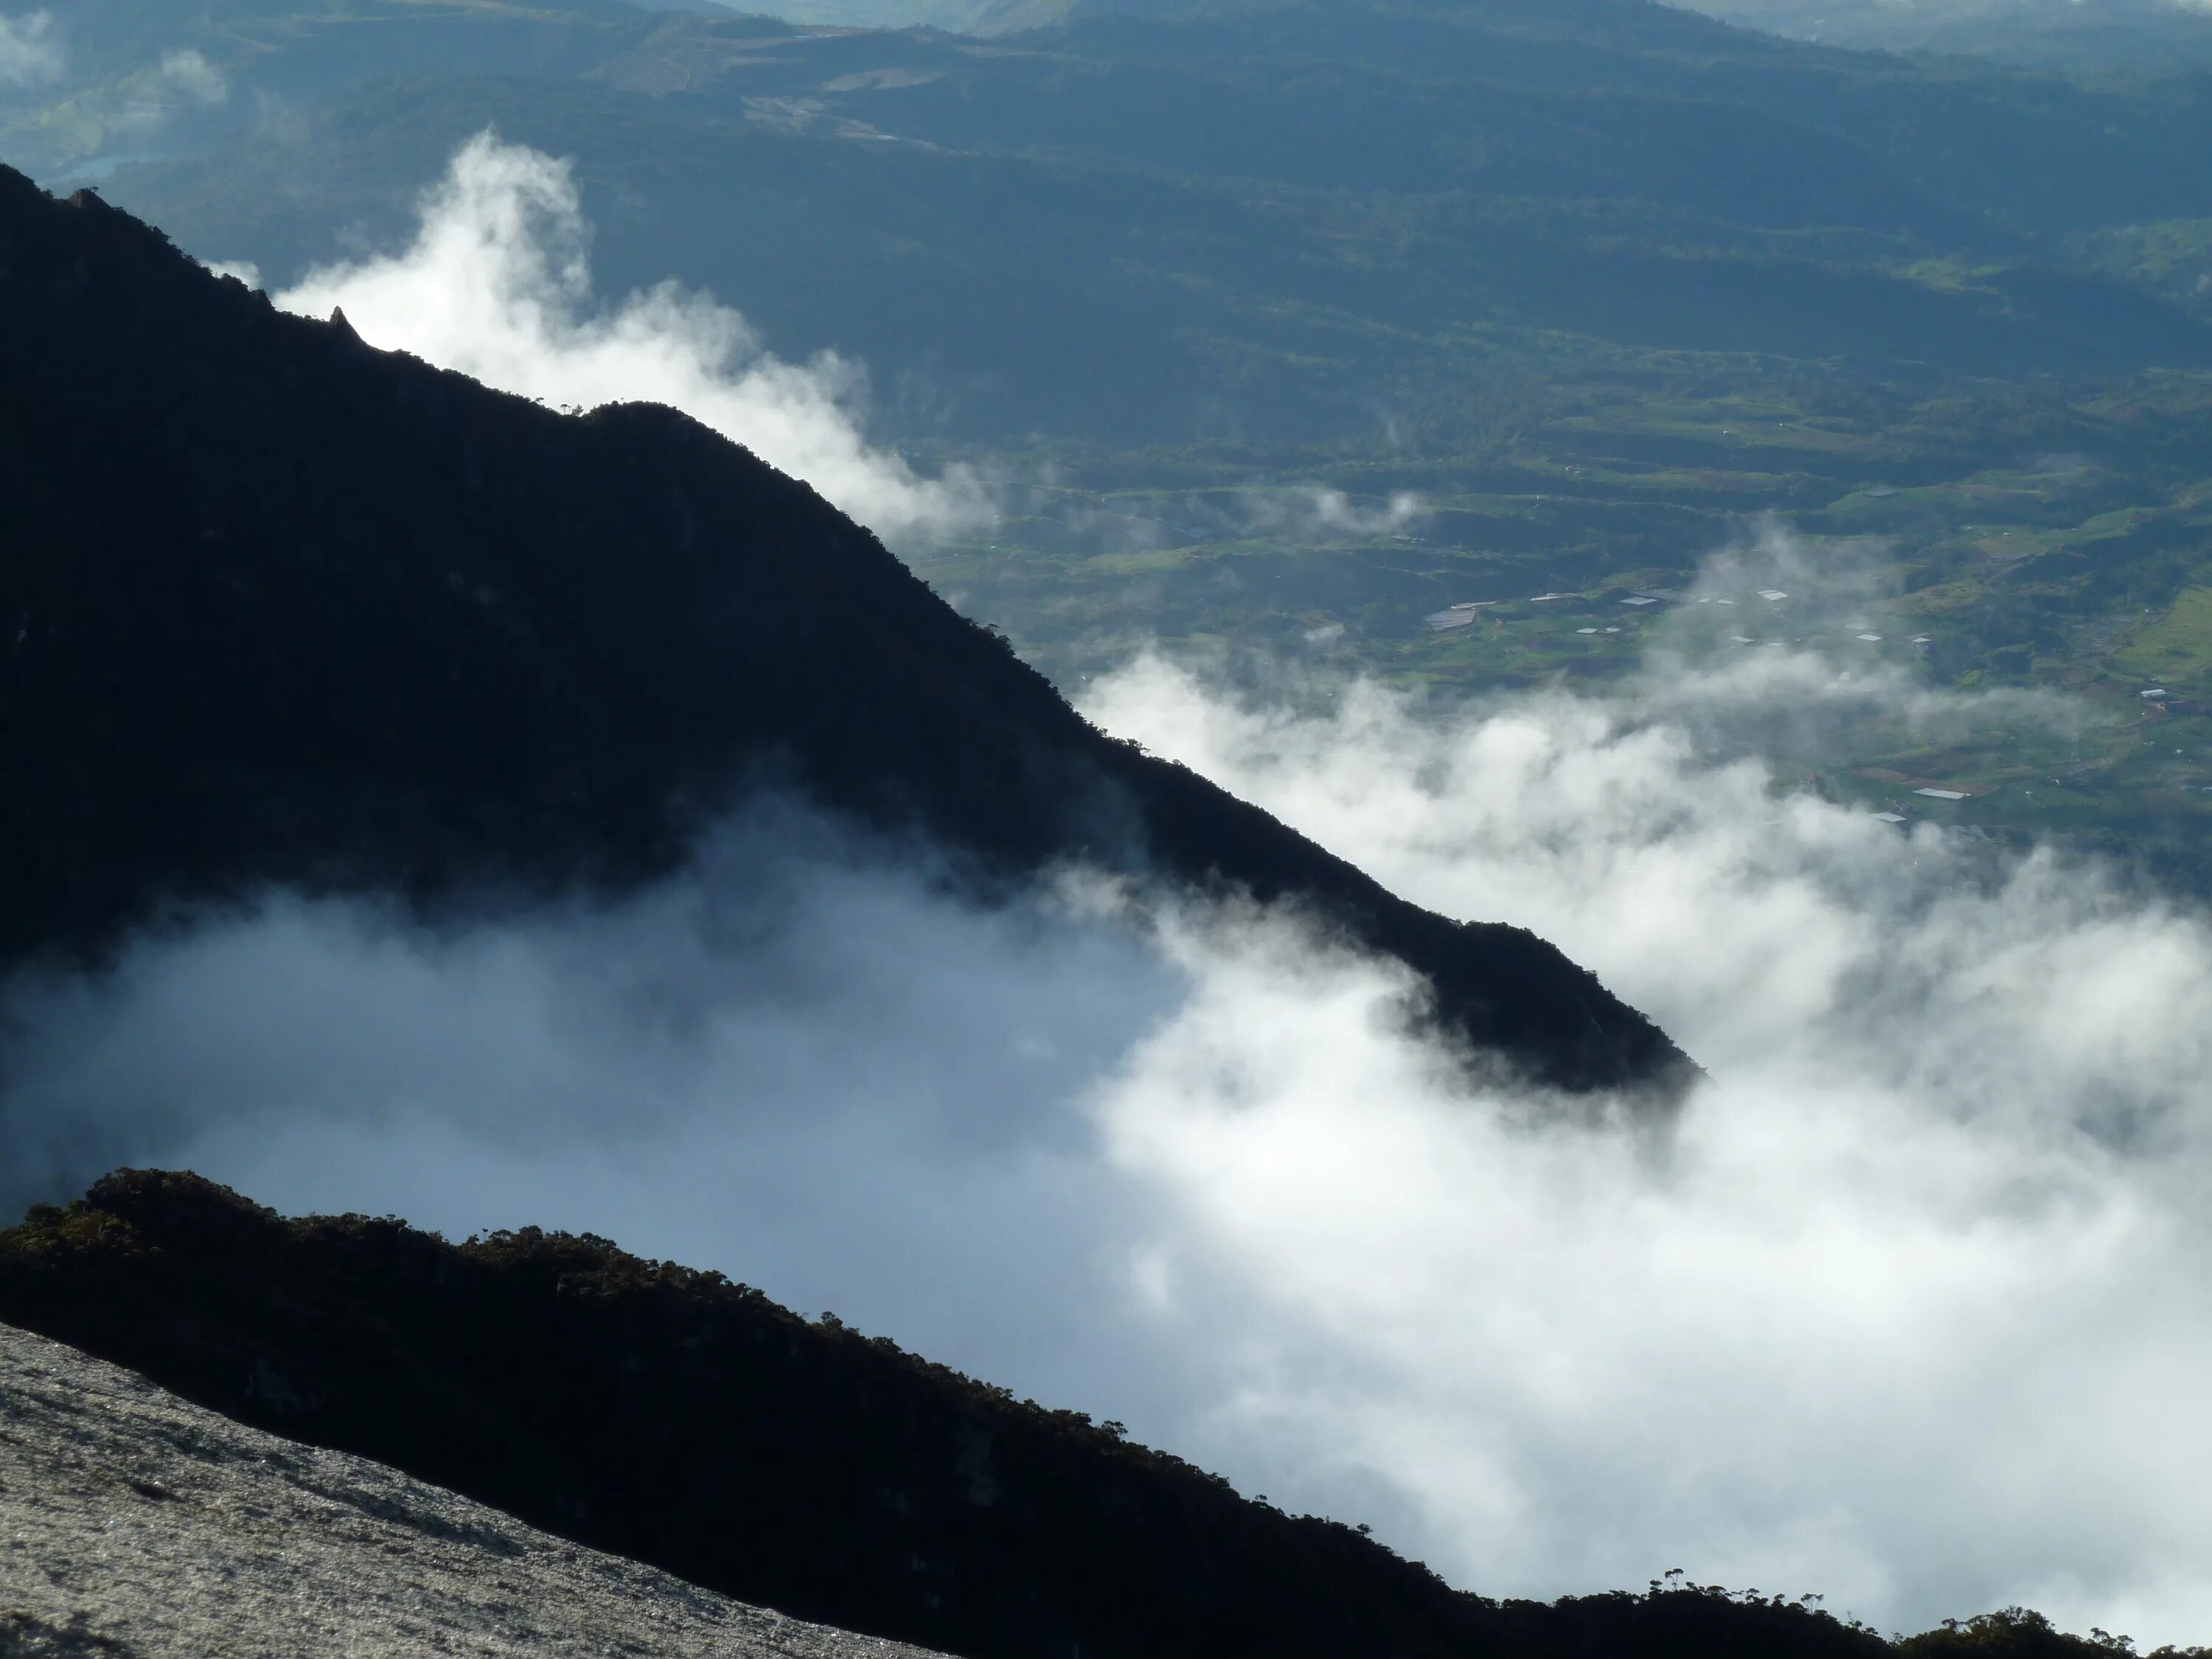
<point x="689" y="1423"/>
<point x="2140" y="37"/>
<point x="281" y="607"/>
<point x="1287" y="222"/>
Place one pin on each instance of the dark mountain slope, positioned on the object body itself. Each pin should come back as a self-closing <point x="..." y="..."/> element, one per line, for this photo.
<point x="690" y="1423"/>
<point x="685" y="1421"/>
<point x="281" y="607"/>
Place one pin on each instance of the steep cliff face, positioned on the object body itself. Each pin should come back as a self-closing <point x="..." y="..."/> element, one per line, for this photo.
<point x="275" y="607"/>
<point x="687" y="1422"/>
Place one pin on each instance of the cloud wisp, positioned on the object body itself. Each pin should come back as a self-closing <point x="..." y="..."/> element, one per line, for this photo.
<point x="30" y="50"/>
<point x="1147" y="521"/>
<point x="188" y="73"/>
<point x="497" y="284"/>
<point x="1315" y="512"/>
<point x="1908" y="1306"/>
<point x="1767" y="653"/>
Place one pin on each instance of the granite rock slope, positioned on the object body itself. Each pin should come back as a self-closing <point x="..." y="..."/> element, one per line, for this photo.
<point x="133" y="1523"/>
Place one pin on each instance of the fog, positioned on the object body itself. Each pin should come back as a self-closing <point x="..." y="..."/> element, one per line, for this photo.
<point x="804" y="1055"/>
<point x="497" y="284"/>
<point x="1909" y="1306"/>
<point x="1906" y="1305"/>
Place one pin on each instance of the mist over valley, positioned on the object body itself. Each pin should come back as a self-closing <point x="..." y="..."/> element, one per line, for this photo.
<point x="1451" y="757"/>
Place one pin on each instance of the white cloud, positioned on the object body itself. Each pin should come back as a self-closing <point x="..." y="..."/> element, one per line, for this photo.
<point x="1911" y="1305"/>
<point x="190" y="73"/>
<point x="1297" y="513"/>
<point x="30" y="50"/>
<point x="1313" y="511"/>
<point x="801" y="1056"/>
<point x="244" y="271"/>
<point x="497" y="285"/>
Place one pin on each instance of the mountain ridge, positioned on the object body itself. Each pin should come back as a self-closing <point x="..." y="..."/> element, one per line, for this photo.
<point x="356" y="622"/>
<point x="691" y="1424"/>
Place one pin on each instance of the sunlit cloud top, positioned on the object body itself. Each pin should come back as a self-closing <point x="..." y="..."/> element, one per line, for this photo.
<point x="497" y="284"/>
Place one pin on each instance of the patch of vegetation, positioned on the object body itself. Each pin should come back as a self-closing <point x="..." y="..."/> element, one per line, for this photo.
<point x="2176" y="649"/>
<point x="2003" y="539"/>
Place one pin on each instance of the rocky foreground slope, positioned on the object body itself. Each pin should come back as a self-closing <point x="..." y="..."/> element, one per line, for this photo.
<point x="138" y="1526"/>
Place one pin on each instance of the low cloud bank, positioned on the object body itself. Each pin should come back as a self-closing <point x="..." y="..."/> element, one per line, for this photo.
<point x="497" y="284"/>
<point x="804" y="1055"/>
<point x="1910" y="1306"/>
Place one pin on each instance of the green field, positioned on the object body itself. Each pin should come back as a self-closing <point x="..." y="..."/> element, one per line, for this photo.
<point x="2175" y="650"/>
<point x="1989" y="548"/>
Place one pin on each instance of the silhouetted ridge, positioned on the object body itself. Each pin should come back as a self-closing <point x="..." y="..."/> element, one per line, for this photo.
<point x="684" y="1420"/>
<point x="279" y="606"/>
